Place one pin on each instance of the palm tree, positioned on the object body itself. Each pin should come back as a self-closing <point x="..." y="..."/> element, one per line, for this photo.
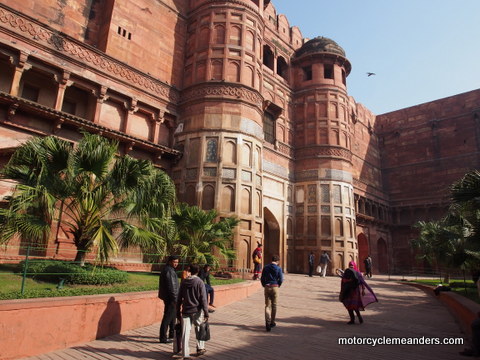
<point x="466" y="196"/>
<point x="200" y="234"/>
<point x="442" y="243"/>
<point x="105" y="202"/>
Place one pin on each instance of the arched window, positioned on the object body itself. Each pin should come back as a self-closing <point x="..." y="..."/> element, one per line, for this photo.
<point x="246" y="155"/>
<point x="268" y="57"/>
<point x="190" y="195"/>
<point x="246" y="207"/>
<point x="282" y="67"/>
<point x="233" y="71"/>
<point x="289" y="226"/>
<point x="325" y="226"/>
<point x="208" y="197"/>
<point x="228" y="199"/>
<point x="212" y="151"/>
<point x="230" y="152"/>
<point x="258" y="205"/>
<point x="269" y="127"/>
<point x="219" y="35"/>
<point x="235" y="35"/>
<point x="204" y="37"/>
<point x="338" y="227"/>
<point x="217" y="70"/>
<point x="250" y="41"/>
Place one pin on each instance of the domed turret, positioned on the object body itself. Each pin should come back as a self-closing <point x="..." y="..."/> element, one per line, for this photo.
<point x="320" y="44"/>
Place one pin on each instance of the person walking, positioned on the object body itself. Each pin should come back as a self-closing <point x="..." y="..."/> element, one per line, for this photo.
<point x="272" y="279"/>
<point x="324" y="260"/>
<point x="368" y="266"/>
<point x="204" y="275"/>
<point x="192" y="309"/>
<point x="168" y="292"/>
<point x="311" y="263"/>
<point x="355" y="294"/>
<point x="257" y="261"/>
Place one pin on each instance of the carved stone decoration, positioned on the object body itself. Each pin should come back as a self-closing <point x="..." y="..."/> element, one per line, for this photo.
<point x="96" y="59"/>
<point x="227" y="91"/>
<point x="58" y="125"/>
<point x="12" y="109"/>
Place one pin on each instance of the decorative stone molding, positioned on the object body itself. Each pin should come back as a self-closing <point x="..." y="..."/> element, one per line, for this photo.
<point x="285" y="149"/>
<point x="233" y="2"/>
<point x="275" y="169"/>
<point x="325" y="151"/>
<point x="234" y="92"/>
<point x="307" y="175"/>
<point x="98" y="60"/>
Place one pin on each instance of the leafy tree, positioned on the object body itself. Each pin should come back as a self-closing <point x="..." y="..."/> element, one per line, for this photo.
<point x="104" y="201"/>
<point x="441" y="244"/>
<point x="200" y="234"/>
<point x="466" y="200"/>
<point x="454" y="241"/>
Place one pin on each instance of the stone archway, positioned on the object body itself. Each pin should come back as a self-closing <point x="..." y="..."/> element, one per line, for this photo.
<point x="363" y="250"/>
<point x="382" y="256"/>
<point x="271" y="236"/>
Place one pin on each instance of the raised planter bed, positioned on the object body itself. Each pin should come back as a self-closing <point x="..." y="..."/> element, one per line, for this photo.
<point x="464" y="310"/>
<point x="35" y="326"/>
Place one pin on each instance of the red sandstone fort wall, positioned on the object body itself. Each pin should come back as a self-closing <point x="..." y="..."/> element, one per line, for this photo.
<point x="425" y="148"/>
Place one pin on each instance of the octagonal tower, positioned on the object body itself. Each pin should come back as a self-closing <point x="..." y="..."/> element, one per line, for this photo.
<point x="325" y="216"/>
<point x="221" y="116"/>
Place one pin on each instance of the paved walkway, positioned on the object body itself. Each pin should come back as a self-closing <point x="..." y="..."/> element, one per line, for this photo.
<point x="310" y="321"/>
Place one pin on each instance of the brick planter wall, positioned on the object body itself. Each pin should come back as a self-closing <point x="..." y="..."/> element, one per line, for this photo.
<point x="464" y="310"/>
<point x="36" y="326"/>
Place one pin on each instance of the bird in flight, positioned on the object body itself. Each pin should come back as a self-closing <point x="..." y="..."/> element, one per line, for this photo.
<point x="370" y="73"/>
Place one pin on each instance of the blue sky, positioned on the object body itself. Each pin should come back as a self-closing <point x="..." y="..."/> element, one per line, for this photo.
<point x="420" y="50"/>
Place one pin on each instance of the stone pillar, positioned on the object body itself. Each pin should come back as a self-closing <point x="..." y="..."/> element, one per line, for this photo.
<point x="101" y="98"/>
<point x="63" y="82"/>
<point x="20" y="67"/>
<point x="158" y="120"/>
<point x="131" y="108"/>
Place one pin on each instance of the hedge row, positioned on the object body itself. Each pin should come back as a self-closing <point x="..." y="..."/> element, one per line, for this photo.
<point x="55" y="271"/>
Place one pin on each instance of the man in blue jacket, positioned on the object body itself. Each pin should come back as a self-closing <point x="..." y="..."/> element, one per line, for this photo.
<point x="272" y="278"/>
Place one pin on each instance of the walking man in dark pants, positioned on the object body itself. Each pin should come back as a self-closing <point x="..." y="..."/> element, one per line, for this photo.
<point x="168" y="292"/>
<point x="272" y="278"/>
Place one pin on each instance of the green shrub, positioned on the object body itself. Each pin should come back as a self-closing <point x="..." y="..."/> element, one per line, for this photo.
<point x="54" y="271"/>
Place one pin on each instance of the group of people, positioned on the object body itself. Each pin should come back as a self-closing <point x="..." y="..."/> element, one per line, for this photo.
<point x="355" y="294"/>
<point x="189" y="303"/>
<point x="325" y="260"/>
<point x="185" y="305"/>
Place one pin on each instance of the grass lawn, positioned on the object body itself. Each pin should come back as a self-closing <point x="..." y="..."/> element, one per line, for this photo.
<point x="457" y="286"/>
<point x="11" y="283"/>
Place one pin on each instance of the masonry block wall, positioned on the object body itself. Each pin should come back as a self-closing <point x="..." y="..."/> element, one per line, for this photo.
<point x="425" y="148"/>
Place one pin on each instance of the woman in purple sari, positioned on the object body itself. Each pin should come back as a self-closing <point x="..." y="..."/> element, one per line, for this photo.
<point x="355" y="294"/>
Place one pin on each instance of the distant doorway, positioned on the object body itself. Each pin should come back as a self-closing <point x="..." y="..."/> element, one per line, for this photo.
<point x="363" y="250"/>
<point x="271" y="235"/>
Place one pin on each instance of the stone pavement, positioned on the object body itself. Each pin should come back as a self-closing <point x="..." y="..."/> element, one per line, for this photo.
<point x="310" y="321"/>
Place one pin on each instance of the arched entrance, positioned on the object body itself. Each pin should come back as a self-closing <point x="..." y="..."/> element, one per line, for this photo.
<point x="382" y="256"/>
<point x="363" y="250"/>
<point x="271" y="236"/>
